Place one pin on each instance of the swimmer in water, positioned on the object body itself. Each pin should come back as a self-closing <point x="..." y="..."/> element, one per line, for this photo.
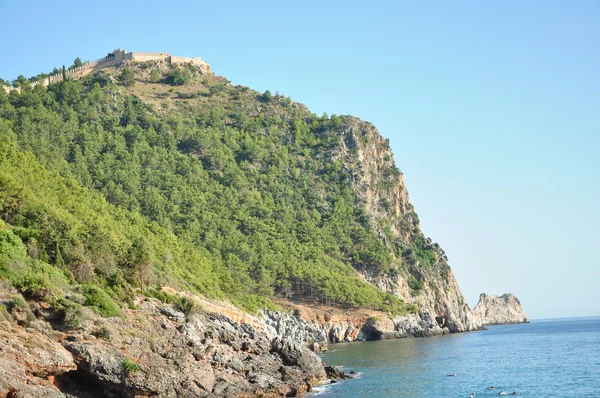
<point x="492" y="388"/>
<point x="453" y="374"/>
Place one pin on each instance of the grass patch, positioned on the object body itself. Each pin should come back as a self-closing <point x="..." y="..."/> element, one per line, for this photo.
<point x="160" y="295"/>
<point x="130" y="367"/>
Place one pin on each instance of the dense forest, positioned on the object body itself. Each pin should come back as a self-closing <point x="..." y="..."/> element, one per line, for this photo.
<point x="131" y="179"/>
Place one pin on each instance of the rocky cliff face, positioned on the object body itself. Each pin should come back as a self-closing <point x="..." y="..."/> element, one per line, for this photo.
<point x="420" y="273"/>
<point x="499" y="310"/>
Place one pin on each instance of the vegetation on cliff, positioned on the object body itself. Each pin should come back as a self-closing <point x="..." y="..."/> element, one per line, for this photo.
<point x="107" y="186"/>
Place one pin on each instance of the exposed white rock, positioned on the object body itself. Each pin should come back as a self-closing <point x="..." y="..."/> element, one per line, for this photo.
<point x="499" y="310"/>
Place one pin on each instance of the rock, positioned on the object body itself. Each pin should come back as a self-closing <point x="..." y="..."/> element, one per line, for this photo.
<point x="101" y="362"/>
<point x="499" y="310"/>
<point x="173" y="314"/>
<point x="295" y="354"/>
<point x="315" y="347"/>
<point x="28" y="363"/>
<point x="336" y="374"/>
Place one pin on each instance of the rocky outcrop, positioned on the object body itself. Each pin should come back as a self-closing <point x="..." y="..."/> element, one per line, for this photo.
<point x="499" y="310"/>
<point x="154" y="350"/>
<point x="376" y="326"/>
<point x="30" y="361"/>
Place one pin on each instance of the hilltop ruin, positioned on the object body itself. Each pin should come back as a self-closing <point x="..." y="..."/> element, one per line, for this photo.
<point x="117" y="58"/>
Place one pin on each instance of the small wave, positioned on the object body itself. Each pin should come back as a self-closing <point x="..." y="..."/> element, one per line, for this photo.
<point x="320" y="389"/>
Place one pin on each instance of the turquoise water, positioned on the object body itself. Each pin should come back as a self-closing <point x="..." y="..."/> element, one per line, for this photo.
<point x="546" y="358"/>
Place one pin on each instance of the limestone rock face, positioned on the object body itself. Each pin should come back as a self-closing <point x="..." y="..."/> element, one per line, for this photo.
<point x="442" y="307"/>
<point x="499" y="310"/>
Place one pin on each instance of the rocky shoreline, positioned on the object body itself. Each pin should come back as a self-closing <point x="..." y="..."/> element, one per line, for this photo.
<point x="154" y="350"/>
<point x="157" y="350"/>
<point x="370" y="326"/>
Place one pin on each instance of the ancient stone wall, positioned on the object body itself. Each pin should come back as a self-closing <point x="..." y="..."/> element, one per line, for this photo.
<point x="143" y="57"/>
<point x="196" y="61"/>
<point x="115" y="58"/>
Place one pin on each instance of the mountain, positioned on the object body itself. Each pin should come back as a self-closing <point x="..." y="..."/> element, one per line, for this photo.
<point x="145" y="173"/>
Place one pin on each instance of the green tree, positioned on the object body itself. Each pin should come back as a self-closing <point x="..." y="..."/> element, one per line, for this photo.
<point x="155" y="75"/>
<point x="127" y="77"/>
<point x="178" y="76"/>
<point x="76" y="63"/>
<point x="267" y="96"/>
<point x="20" y="81"/>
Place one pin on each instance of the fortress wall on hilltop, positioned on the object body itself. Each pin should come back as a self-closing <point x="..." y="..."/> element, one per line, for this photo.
<point x="115" y="58"/>
<point x="144" y="56"/>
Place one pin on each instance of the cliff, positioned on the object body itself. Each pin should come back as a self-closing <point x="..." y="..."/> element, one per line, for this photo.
<point x="499" y="310"/>
<point x="419" y="272"/>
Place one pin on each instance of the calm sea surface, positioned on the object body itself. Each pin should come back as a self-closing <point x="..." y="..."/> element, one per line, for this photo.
<point x="546" y="358"/>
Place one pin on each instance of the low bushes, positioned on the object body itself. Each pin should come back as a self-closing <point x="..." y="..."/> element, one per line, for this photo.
<point x="100" y="301"/>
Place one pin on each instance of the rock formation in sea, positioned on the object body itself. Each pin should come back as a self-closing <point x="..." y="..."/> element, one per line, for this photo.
<point x="499" y="310"/>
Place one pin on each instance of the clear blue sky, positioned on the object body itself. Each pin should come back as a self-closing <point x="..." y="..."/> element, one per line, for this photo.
<point x="492" y="109"/>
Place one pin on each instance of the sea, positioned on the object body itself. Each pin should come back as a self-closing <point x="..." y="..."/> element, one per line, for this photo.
<point x="544" y="358"/>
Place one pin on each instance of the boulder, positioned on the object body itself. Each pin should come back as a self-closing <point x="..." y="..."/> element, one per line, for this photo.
<point x="295" y="354"/>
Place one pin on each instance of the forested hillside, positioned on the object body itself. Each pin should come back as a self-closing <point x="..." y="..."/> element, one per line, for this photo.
<point x="139" y="177"/>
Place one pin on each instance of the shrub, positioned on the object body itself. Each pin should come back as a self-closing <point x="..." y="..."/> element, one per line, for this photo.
<point x="102" y="78"/>
<point x="4" y="314"/>
<point x="73" y="318"/>
<point x="129" y="366"/>
<point x="19" y="301"/>
<point x="20" y="310"/>
<point x="178" y="77"/>
<point x="412" y="308"/>
<point x="253" y="302"/>
<point x="11" y="245"/>
<point x="155" y="75"/>
<point x="100" y="301"/>
<point x="71" y="312"/>
<point x="297" y="314"/>
<point x="267" y="96"/>
<point x="415" y="284"/>
<point x="36" y="285"/>
<point x="102" y="333"/>
<point x="217" y="88"/>
<point x="186" y="305"/>
<point x="160" y="295"/>
<point x="127" y="77"/>
<point x="181" y="95"/>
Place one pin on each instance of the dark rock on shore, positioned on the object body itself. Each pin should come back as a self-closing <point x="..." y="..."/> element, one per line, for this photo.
<point x="336" y="374"/>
